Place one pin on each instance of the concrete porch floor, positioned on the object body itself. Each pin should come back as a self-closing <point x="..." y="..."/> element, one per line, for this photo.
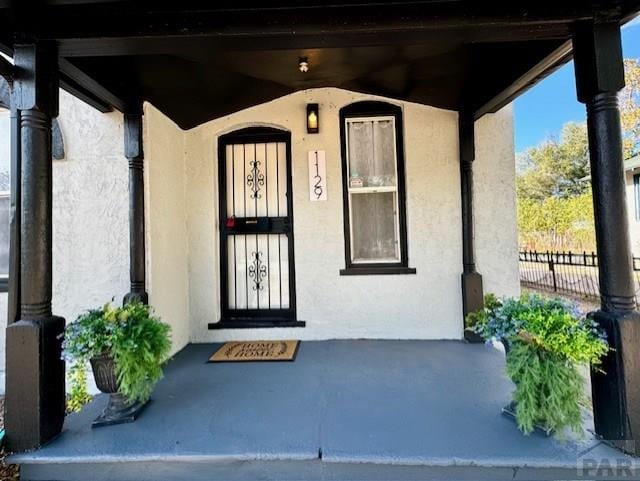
<point x="343" y="410"/>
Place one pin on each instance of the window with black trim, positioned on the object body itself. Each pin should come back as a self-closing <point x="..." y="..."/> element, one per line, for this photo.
<point x="373" y="189"/>
<point x="636" y="195"/>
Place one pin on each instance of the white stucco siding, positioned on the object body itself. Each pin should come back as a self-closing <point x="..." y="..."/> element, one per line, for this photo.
<point x="90" y="211"/>
<point x="495" y="211"/>
<point x="91" y="258"/>
<point x="202" y="223"/>
<point x="166" y="230"/>
<point x="421" y="306"/>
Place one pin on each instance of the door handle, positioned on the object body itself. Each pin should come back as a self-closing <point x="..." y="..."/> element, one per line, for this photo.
<point x="251" y="221"/>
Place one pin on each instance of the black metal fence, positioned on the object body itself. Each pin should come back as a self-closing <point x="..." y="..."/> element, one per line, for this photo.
<point x="566" y="272"/>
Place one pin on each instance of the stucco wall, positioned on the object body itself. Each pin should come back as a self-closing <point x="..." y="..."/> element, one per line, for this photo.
<point x="90" y="211"/>
<point x="91" y="222"/>
<point x="634" y="225"/>
<point x="166" y="230"/>
<point x="425" y="305"/>
<point x="496" y="227"/>
<point x="91" y="216"/>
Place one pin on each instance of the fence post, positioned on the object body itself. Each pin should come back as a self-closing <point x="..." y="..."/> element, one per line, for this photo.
<point x="552" y="269"/>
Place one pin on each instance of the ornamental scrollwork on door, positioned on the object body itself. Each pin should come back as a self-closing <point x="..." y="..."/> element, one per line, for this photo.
<point x="255" y="179"/>
<point x="257" y="271"/>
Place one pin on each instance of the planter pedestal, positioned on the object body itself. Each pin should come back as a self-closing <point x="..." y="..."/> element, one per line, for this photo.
<point x="118" y="410"/>
<point x="509" y="411"/>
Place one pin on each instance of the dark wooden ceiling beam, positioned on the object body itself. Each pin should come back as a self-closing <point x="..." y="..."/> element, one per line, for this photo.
<point x="83" y="94"/>
<point x="6" y="70"/>
<point x="78" y="83"/>
<point x="182" y="45"/>
<point x="193" y="33"/>
<point x="143" y="28"/>
<point x="140" y="19"/>
<point x="542" y="69"/>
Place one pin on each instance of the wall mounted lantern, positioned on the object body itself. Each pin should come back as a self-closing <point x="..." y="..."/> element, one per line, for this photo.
<point x="313" y="119"/>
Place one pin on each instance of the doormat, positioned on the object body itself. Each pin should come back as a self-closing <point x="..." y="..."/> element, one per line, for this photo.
<point x="256" y="351"/>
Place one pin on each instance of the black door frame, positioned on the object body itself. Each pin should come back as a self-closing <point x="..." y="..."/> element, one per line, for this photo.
<point x="251" y="318"/>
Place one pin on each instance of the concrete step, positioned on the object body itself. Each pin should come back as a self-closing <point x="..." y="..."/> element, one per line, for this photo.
<point x="199" y="469"/>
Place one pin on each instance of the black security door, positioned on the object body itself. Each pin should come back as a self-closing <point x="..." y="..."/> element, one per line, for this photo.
<point x="256" y="227"/>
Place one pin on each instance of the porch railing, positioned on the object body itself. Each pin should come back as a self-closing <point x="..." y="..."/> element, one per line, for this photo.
<point x="566" y="272"/>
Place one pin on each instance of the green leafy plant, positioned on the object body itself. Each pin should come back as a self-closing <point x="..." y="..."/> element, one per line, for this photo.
<point x="547" y="339"/>
<point x="79" y="394"/>
<point x="136" y="340"/>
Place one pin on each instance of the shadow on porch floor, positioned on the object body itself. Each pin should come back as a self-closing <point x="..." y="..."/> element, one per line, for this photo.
<point x="343" y="410"/>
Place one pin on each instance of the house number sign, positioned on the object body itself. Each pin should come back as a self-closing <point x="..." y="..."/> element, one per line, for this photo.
<point x="317" y="175"/>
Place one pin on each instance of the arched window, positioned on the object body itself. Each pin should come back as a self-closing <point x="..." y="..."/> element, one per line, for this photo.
<point x="373" y="189"/>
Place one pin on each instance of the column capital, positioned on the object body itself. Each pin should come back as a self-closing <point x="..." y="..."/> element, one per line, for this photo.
<point x="466" y="132"/>
<point x="36" y="77"/>
<point x="597" y="51"/>
<point x="133" y="147"/>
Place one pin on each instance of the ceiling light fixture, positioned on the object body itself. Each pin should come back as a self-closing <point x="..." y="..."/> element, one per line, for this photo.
<point x="303" y="64"/>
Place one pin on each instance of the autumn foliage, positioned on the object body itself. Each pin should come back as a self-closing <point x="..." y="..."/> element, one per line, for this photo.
<point x="555" y="207"/>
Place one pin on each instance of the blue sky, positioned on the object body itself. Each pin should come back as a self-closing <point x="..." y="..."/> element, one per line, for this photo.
<point x="543" y="110"/>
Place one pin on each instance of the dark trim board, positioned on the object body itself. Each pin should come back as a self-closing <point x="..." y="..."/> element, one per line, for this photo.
<point x="88" y="89"/>
<point x="372" y="109"/>
<point x="383" y="270"/>
<point x="253" y="318"/>
<point x="240" y="323"/>
<point x="537" y="73"/>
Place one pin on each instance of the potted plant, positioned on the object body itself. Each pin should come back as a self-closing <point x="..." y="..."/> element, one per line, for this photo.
<point x="126" y="347"/>
<point x="546" y="340"/>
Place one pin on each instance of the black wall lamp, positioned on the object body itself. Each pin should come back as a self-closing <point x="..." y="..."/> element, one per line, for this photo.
<point x="313" y="119"/>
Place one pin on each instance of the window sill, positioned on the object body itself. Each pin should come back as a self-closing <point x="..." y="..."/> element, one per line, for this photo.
<point x="254" y="324"/>
<point x="376" y="271"/>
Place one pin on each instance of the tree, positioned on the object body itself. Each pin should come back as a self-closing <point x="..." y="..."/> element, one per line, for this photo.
<point x="557" y="167"/>
<point x="630" y="108"/>
<point x="555" y="207"/>
<point x="557" y="224"/>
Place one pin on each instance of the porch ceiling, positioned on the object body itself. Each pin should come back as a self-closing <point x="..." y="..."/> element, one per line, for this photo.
<point x="357" y="409"/>
<point x="196" y="62"/>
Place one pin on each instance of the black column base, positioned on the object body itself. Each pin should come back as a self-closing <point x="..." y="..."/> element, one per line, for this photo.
<point x="616" y="390"/>
<point x="35" y="383"/>
<point x="119" y="411"/>
<point x="510" y="412"/>
<point x="472" y="301"/>
<point x="138" y="296"/>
